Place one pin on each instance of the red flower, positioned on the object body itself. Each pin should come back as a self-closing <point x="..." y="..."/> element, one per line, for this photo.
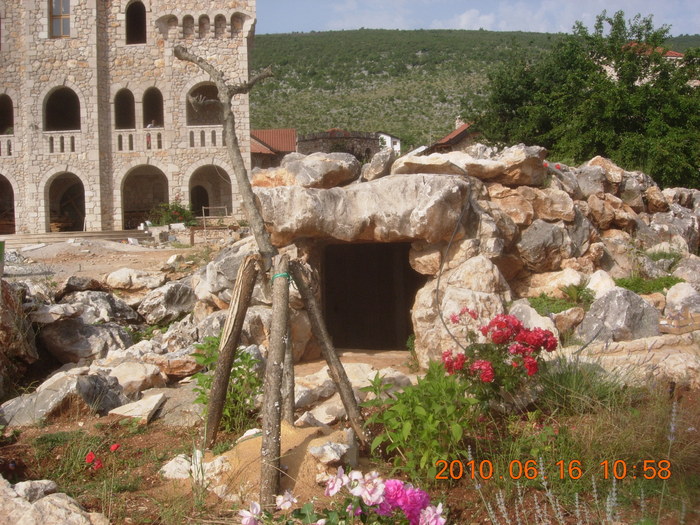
<point x="98" y="464"/>
<point x="454" y="318"/>
<point x="90" y="457"/>
<point x="485" y="370"/>
<point x="530" y="364"/>
<point x="469" y="311"/>
<point x="558" y="166"/>
<point x="545" y="164"/>
<point x="114" y="447"/>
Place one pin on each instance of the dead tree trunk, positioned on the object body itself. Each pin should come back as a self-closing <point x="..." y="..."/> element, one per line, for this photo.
<point x="230" y="336"/>
<point x="271" y="442"/>
<point x="226" y="94"/>
<point x="335" y="367"/>
<point x="288" y="381"/>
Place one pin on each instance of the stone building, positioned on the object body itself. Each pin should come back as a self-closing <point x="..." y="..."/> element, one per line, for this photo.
<point x="360" y="144"/>
<point x="95" y="124"/>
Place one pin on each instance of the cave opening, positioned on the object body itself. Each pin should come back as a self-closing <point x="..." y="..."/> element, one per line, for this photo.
<point x="368" y="293"/>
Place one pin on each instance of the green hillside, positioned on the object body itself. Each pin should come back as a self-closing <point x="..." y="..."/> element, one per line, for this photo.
<point x="406" y="83"/>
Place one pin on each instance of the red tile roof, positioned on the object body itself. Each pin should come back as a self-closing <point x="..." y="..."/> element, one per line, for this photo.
<point x="280" y="140"/>
<point x="452" y="136"/>
<point x="259" y="147"/>
<point x="646" y="49"/>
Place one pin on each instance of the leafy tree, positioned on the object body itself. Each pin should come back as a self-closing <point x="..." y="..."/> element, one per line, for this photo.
<point x="609" y="92"/>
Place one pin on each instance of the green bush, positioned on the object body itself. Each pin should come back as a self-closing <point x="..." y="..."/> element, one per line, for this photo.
<point x="170" y="213"/>
<point x="419" y="426"/>
<point x="239" y="412"/>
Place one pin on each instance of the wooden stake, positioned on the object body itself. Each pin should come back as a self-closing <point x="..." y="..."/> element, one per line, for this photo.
<point x="288" y="381"/>
<point x="272" y="398"/>
<point x="230" y="336"/>
<point x="336" y="370"/>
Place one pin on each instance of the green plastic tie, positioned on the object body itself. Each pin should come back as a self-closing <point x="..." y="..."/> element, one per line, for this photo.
<point x="285" y="275"/>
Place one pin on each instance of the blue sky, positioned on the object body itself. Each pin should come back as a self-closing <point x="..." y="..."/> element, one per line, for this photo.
<point x="548" y="16"/>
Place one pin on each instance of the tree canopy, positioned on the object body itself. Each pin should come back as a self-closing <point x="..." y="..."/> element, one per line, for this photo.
<point x="612" y="92"/>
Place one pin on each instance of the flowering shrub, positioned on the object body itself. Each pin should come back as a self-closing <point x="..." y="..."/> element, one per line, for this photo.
<point x="512" y="355"/>
<point x="371" y="500"/>
<point x="170" y="213"/>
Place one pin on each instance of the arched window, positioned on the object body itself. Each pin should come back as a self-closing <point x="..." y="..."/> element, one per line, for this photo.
<point x="62" y="110"/>
<point x="124" y="112"/>
<point x="59" y="14"/>
<point x="187" y="27"/>
<point x="7" y="116"/>
<point x="153" y="108"/>
<point x="207" y="110"/>
<point x="237" y="22"/>
<point x="204" y="26"/>
<point x="219" y="26"/>
<point x="136" y="23"/>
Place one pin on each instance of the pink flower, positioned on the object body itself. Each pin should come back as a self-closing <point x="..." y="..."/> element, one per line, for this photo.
<point x="250" y="517"/>
<point x="114" y="447"/>
<point x="454" y="318"/>
<point x="432" y="516"/>
<point x="338" y="482"/>
<point x="356" y="483"/>
<point x="90" y="457"/>
<point x="416" y="500"/>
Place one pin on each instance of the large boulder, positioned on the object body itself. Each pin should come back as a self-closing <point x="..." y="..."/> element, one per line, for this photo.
<point x="167" y="303"/>
<point x="63" y="393"/>
<point x="380" y="165"/>
<point x="71" y="340"/>
<point x="318" y="170"/>
<point x="390" y="209"/>
<point x="682" y="299"/>
<point x="678" y="222"/>
<point x="134" y="280"/>
<point x="543" y="246"/>
<point x="135" y="377"/>
<point x="476" y="284"/>
<point x="619" y="315"/>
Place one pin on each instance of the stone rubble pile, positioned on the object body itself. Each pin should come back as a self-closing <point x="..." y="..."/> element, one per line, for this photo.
<point x="487" y="228"/>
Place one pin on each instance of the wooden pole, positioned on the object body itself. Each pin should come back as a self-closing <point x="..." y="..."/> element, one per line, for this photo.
<point x="271" y="442"/>
<point x="288" y="381"/>
<point x="230" y="336"/>
<point x="335" y="367"/>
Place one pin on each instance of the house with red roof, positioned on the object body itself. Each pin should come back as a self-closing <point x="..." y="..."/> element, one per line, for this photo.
<point x="461" y="137"/>
<point x="269" y="146"/>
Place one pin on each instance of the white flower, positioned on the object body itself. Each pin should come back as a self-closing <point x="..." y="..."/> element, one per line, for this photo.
<point x="286" y="501"/>
<point x="338" y="482"/>
<point x="250" y="517"/>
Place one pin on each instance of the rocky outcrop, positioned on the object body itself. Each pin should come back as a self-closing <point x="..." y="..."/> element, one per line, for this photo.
<point x="318" y="170"/>
<point x="620" y="315"/>
<point x="167" y="303"/>
<point x="71" y="340"/>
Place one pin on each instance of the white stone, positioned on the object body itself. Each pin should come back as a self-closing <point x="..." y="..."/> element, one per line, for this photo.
<point x="601" y="283"/>
<point x="142" y="410"/>
<point x="329" y="452"/>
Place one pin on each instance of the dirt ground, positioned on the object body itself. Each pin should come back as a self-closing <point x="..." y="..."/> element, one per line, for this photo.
<point x="96" y="258"/>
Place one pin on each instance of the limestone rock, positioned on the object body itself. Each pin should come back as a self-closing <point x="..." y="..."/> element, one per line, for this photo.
<point x="71" y="340"/>
<point x="35" y="490"/>
<point x="98" y="306"/>
<point x="678" y="221"/>
<point x="75" y="394"/>
<point x="591" y="180"/>
<point x="167" y="303"/>
<point x="76" y="283"/>
<point x="549" y="283"/>
<point x="142" y="410"/>
<point x="380" y="165"/>
<point x="176" y="365"/>
<point x="530" y="318"/>
<point x="655" y="200"/>
<point x="50" y="509"/>
<point x="476" y="284"/>
<point x="549" y="204"/>
<point x="689" y="270"/>
<point x="613" y="173"/>
<point x="513" y="203"/>
<point x="390" y="209"/>
<point x="430" y="164"/>
<point x="544" y="245"/>
<point x="683" y="299"/>
<point x="50" y="313"/>
<point x="600" y="283"/>
<point x="133" y="280"/>
<point x="329" y="453"/>
<point x="318" y="170"/>
<point x="135" y="377"/>
<point x="619" y="315"/>
<point x="215" y="283"/>
<point x="568" y="320"/>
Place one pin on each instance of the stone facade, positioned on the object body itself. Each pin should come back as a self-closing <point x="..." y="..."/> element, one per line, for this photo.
<point x="362" y="145"/>
<point x="95" y="127"/>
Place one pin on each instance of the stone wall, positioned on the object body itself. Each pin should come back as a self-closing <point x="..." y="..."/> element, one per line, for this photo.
<point x="362" y="145"/>
<point x="96" y="63"/>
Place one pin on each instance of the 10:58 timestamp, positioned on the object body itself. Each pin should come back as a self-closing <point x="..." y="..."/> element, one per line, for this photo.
<point x="530" y="469"/>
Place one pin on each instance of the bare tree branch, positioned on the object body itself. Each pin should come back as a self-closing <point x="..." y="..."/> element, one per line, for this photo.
<point x="226" y="93"/>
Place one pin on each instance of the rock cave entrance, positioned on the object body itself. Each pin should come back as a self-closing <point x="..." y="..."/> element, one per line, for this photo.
<point x="368" y="293"/>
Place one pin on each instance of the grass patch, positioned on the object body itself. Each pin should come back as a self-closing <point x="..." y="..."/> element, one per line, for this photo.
<point x="644" y="286"/>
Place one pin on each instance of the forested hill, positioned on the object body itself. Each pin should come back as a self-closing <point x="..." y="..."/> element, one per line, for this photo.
<point x="407" y="83"/>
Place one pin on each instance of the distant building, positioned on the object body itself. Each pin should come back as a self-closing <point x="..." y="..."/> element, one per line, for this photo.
<point x="269" y="146"/>
<point x="96" y="127"/>
<point x="457" y="140"/>
<point x="360" y="144"/>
